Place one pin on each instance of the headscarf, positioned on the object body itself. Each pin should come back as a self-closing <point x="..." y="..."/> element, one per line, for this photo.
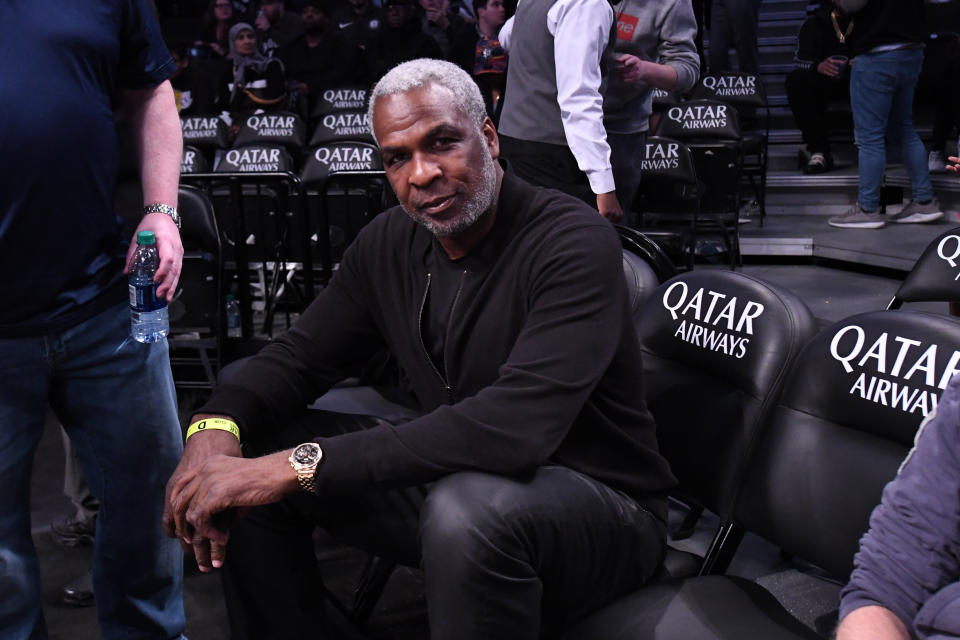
<point x="256" y="61"/>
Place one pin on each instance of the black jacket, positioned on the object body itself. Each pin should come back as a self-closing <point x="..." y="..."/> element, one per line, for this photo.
<point x="541" y="354"/>
<point x="817" y="39"/>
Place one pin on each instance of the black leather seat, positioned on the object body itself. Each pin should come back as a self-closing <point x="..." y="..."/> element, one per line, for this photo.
<point x="846" y="420"/>
<point x="936" y="274"/>
<point x="716" y="346"/>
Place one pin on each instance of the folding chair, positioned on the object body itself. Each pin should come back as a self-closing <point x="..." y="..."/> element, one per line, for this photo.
<point x="746" y="93"/>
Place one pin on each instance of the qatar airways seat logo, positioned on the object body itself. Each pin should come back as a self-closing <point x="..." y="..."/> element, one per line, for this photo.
<point x="731" y="85"/>
<point x="895" y="371"/>
<point x="199" y="127"/>
<point x="342" y="99"/>
<point x="352" y="158"/>
<point x="272" y="126"/>
<point x="347" y="124"/>
<point x="700" y="116"/>
<point x="189" y="161"/>
<point x="661" y="156"/>
<point x="712" y="320"/>
<point x="254" y="159"/>
<point x="949" y="251"/>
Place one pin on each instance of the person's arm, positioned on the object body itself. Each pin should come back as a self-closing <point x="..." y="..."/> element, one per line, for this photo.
<point x="511" y="427"/>
<point x="506" y="32"/>
<point x="911" y="550"/>
<point x="678" y="63"/>
<point x="581" y="31"/>
<point x="872" y="623"/>
<point x="155" y="127"/>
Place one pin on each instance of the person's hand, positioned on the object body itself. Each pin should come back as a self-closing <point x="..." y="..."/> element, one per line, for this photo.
<point x="609" y="206"/>
<point x="630" y="68"/>
<point x="954" y="164"/>
<point x="215" y="46"/>
<point x="828" y="68"/>
<point x="168" y="246"/>
<point x="199" y="448"/>
<point x="438" y="16"/>
<point x="262" y="23"/>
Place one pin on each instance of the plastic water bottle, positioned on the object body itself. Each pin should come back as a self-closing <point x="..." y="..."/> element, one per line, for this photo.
<point x="148" y="312"/>
<point x="233" y="317"/>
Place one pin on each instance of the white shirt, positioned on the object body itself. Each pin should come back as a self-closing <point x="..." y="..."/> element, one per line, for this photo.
<point x="581" y="31"/>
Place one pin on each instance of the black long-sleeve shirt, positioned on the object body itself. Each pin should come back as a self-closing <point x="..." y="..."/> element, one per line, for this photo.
<point x="542" y="363"/>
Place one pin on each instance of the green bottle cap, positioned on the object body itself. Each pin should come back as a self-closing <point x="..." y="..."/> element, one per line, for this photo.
<point x="146" y="237"/>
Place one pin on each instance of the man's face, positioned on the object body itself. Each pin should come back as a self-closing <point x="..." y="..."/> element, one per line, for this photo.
<point x="440" y="165"/>
<point x="245" y="42"/>
<point x="431" y="5"/>
<point x="493" y="15"/>
<point x="272" y="9"/>
<point x="397" y="13"/>
<point x="314" y="19"/>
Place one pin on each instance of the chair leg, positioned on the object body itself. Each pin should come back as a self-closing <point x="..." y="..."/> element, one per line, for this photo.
<point x="722" y="549"/>
<point x="372" y="582"/>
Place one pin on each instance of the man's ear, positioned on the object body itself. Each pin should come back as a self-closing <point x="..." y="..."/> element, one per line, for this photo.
<point x="490" y="136"/>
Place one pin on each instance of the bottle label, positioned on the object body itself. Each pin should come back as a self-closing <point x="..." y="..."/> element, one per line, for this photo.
<point x="144" y="297"/>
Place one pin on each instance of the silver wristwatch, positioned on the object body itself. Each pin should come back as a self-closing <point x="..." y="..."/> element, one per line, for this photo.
<point x="304" y="460"/>
<point x="164" y="209"/>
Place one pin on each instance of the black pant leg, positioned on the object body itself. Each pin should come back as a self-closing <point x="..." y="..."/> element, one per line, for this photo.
<point x="547" y="165"/>
<point x="808" y="93"/>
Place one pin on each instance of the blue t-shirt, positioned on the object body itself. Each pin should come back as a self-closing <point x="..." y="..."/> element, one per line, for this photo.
<point x="61" y="251"/>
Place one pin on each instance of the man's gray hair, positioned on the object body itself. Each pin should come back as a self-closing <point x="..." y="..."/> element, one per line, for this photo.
<point x="417" y="73"/>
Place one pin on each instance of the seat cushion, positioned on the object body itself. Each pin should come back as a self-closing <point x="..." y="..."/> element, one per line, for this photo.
<point x="705" y="608"/>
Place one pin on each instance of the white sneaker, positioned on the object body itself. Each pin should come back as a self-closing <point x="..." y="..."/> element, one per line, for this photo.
<point x="937" y="162"/>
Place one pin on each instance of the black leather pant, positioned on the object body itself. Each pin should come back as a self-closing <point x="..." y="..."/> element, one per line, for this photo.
<point x="502" y="557"/>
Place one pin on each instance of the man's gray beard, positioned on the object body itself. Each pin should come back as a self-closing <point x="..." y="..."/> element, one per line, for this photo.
<point x="474" y="207"/>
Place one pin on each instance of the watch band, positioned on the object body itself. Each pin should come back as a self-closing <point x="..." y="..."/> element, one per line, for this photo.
<point x="165" y="209"/>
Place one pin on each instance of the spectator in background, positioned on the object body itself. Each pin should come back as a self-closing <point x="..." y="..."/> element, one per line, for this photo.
<point x="255" y="81"/>
<point x="359" y="22"/>
<point x="217" y="20"/>
<point x="400" y="39"/>
<point x="321" y="57"/>
<point x="655" y="47"/>
<point x="822" y="74"/>
<point x="888" y="56"/>
<point x="906" y="578"/>
<point x="455" y="36"/>
<point x="939" y="84"/>
<point x="193" y="90"/>
<point x="733" y="23"/>
<point x="276" y="27"/>
<point x="490" y="58"/>
<point x="551" y="124"/>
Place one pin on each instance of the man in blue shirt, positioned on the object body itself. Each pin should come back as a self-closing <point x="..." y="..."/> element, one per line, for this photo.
<point x="64" y="322"/>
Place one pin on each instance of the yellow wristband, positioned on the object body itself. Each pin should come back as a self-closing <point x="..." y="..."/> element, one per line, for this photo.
<point x="219" y="424"/>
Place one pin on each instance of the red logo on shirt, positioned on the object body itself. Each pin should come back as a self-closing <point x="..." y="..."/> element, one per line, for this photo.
<point x="626" y="25"/>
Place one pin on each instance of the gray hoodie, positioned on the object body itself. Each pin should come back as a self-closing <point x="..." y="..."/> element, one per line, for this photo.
<point x="662" y="32"/>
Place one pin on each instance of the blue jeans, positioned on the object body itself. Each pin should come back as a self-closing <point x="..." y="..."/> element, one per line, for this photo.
<point x="115" y="398"/>
<point x="881" y="96"/>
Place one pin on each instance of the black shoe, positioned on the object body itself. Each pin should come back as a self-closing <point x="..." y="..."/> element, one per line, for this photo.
<point x="73" y="533"/>
<point x="79" y="591"/>
<point x="818" y="163"/>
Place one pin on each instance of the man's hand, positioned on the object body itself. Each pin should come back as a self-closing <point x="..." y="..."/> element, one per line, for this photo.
<point x="609" y="206"/>
<point x="872" y="622"/>
<point x="168" y="246"/>
<point x="954" y="165"/>
<point x="828" y="68"/>
<point x="630" y="68"/>
<point x="198" y="450"/>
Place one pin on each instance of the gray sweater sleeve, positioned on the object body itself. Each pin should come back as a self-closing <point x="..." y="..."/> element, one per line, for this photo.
<point x="678" y="47"/>
<point x="912" y="547"/>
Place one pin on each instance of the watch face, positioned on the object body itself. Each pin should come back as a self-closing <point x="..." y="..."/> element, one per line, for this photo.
<point x="308" y="453"/>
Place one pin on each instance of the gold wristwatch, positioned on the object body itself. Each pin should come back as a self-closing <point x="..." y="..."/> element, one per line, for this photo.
<point x="304" y="460"/>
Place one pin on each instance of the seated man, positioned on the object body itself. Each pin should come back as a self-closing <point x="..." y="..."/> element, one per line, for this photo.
<point x="821" y="75"/>
<point x="506" y="308"/>
<point x="906" y="578"/>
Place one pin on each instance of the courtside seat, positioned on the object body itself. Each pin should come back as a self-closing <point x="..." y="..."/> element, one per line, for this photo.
<point x="277" y="128"/>
<point x="645" y="266"/>
<point x="717" y="346"/>
<point x="847" y="418"/>
<point x="935" y="276"/>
